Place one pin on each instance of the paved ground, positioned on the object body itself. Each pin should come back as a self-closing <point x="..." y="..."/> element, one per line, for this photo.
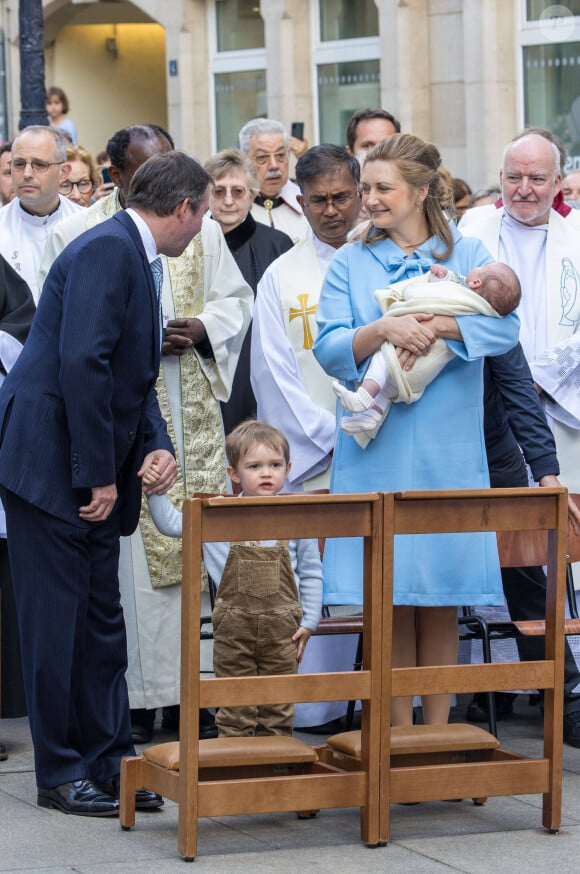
<point x="428" y="838"/>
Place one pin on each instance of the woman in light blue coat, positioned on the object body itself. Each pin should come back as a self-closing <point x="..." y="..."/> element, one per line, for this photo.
<point x="436" y="443"/>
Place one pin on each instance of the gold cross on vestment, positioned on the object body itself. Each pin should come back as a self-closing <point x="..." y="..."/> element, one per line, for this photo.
<point x="304" y="313"/>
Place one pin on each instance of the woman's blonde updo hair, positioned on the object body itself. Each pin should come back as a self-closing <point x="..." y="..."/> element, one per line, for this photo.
<point x="419" y="164"/>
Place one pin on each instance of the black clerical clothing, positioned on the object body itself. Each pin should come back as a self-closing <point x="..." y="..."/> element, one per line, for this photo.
<point x="254" y="246"/>
<point x="16" y="313"/>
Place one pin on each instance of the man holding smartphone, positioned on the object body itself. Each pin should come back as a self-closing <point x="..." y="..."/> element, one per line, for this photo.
<point x="266" y="144"/>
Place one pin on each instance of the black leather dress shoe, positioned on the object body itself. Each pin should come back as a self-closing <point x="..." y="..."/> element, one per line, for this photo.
<point x="207" y="726"/>
<point x="141" y="734"/>
<point x="170" y="718"/>
<point x="3" y="752"/>
<point x="477" y="707"/>
<point x="144" y="798"/>
<point x="142" y="722"/>
<point x="572" y="729"/>
<point x="81" y="798"/>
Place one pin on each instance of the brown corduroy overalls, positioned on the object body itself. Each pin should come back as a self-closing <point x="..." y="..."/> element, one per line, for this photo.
<point x="255" y="615"/>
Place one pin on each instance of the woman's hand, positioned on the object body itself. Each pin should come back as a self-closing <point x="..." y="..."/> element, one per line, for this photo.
<point x="407" y="332"/>
<point x="410" y="332"/>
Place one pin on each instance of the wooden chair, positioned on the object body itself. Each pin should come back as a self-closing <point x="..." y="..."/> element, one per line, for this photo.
<point x="496" y="771"/>
<point x="256" y="775"/>
<point x="421" y="763"/>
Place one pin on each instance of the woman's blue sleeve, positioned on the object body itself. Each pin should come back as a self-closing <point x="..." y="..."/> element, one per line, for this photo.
<point x="485" y="335"/>
<point x="335" y="320"/>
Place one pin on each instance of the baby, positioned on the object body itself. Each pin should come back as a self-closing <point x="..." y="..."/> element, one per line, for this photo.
<point x="491" y="290"/>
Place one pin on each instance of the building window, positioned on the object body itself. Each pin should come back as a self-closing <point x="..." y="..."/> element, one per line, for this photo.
<point x="347" y="61"/>
<point x="348" y="19"/>
<point x="551" y="70"/>
<point x="239" y="25"/>
<point x="238" y="66"/>
<point x="342" y="89"/>
<point x="546" y="9"/>
<point x="238" y="98"/>
<point x="551" y="92"/>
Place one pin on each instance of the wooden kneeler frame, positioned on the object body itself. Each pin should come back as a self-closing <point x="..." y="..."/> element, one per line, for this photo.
<point x="498" y="772"/>
<point x="224" y="777"/>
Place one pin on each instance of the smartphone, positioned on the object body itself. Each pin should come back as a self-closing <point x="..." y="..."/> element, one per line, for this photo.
<point x="106" y="176"/>
<point x="297" y="130"/>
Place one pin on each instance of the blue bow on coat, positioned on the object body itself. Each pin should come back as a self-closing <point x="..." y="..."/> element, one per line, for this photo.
<point x="406" y="266"/>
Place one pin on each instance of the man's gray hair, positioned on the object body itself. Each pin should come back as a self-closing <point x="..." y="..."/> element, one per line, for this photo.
<point x="60" y="144"/>
<point x="164" y="181"/>
<point x="259" y="126"/>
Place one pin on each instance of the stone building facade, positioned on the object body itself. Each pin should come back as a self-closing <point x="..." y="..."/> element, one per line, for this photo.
<point x="466" y="74"/>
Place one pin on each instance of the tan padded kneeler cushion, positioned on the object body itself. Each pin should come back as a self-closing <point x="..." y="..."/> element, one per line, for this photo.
<point x="235" y="751"/>
<point x="407" y="740"/>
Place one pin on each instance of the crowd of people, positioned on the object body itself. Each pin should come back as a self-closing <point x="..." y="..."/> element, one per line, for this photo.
<point x="194" y="326"/>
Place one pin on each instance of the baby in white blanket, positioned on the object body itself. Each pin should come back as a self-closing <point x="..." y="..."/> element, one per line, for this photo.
<point x="491" y="290"/>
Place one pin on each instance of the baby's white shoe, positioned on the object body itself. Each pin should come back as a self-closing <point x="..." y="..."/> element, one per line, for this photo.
<point x="353" y="401"/>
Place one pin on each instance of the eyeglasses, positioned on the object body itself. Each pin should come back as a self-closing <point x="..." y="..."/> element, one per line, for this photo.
<point x="264" y="158"/>
<point x="19" y="165"/>
<point x="238" y="192"/>
<point x="83" y="186"/>
<point x="319" y="201"/>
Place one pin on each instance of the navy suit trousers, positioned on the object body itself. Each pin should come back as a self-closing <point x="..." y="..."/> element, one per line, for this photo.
<point x="74" y="648"/>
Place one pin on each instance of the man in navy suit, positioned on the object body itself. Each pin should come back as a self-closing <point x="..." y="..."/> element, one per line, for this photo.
<point x="80" y="424"/>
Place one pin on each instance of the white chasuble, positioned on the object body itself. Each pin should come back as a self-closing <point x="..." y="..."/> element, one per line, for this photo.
<point x="292" y="391"/>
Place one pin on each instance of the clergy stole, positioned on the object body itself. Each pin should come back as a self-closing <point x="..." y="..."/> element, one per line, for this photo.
<point x="563" y="315"/>
<point x="202" y="467"/>
<point x="562" y="284"/>
<point x="300" y="281"/>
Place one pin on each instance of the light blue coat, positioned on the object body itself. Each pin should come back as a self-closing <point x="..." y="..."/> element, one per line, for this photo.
<point x="436" y="443"/>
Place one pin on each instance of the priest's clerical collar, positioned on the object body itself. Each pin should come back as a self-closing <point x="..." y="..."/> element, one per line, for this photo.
<point x="40" y="214"/>
<point x="268" y="202"/>
<point x="241" y="233"/>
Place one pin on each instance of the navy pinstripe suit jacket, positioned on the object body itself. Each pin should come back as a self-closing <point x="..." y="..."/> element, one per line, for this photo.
<point x="79" y="408"/>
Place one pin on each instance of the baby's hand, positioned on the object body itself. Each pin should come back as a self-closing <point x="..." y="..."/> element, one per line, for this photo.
<point x="151" y="475"/>
<point x="301" y="638"/>
<point x="438" y="270"/>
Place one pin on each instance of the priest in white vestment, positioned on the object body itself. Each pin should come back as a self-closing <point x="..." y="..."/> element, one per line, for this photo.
<point x="541" y="243"/>
<point x="38" y="166"/>
<point x="542" y="246"/>
<point x="203" y="285"/>
<point x="292" y="391"/>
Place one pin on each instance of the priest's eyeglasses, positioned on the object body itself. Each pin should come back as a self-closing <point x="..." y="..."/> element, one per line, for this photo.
<point x="40" y="167"/>
<point x="238" y="192"/>
<point x="264" y="158"/>
<point x="83" y="186"/>
<point x="319" y="201"/>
